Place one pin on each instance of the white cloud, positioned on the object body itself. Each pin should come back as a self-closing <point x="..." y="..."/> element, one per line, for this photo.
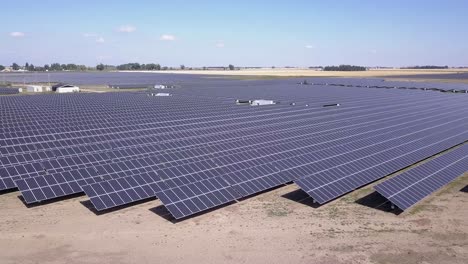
<point x="17" y="34"/>
<point x="309" y="46"/>
<point x="89" y="35"/>
<point x="167" y="37"/>
<point x="220" y="44"/>
<point x="127" y="29"/>
<point x="100" y="40"/>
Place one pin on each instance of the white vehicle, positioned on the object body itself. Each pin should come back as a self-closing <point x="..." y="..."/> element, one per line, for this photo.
<point x="68" y="88"/>
<point x="162" y="94"/>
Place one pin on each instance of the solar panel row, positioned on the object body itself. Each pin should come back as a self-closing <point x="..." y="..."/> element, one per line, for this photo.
<point x="122" y="182"/>
<point x="341" y="137"/>
<point x="197" y="149"/>
<point x="6" y="91"/>
<point x="210" y="150"/>
<point x="114" y="144"/>
<point x="42" y="164"/>
<point x="251" y="181"/>
<point x="332" y="183"/>
<point x="410" y="187"/>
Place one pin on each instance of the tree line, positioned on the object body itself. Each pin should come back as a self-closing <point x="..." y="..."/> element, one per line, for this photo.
<point x="100" y="67"/>
<point x="344" y="68"/>
<point x="48" y="67"/>
<point x="426" y="67"/>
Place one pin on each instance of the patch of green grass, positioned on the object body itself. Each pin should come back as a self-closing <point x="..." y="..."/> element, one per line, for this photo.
<point x="356" y="194"/>
<point x="419" y="208"/>
<point x="333" y="212"/>
<point x="457" y="183"/>
<point x="277" y="213"/>
<point x="273" y="210"/>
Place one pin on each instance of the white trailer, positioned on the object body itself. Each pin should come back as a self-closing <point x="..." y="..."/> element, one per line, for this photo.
<point x="262" y="102"/>
<point x="34" y="89"/>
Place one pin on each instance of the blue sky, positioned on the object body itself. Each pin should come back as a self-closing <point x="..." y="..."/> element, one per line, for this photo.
<point x="244" y="33"/>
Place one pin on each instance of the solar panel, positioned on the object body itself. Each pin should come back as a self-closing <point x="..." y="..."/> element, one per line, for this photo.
<point x="410" y="187"/>
<point x="258" y="180"/>
<point x="197" y="149"/>
<point x="88" y="174"/>
<point x="331" y="183"/>
<point x="229" y="147"/>
<point x="261" y="178"/>
<point x="7" y="91"/>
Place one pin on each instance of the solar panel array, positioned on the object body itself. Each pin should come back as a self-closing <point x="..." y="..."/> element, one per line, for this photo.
<point x="410" y="187"/>
<point x="388" y="84"/>
<point x="197" y="149"/>
<point x="7" y="90"/>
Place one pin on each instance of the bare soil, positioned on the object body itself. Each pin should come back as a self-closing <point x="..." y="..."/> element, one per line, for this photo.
<point x="279" y="226"/>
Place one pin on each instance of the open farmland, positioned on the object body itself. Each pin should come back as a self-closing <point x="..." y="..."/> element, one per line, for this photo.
<point x="128" y="177"/>
<point x="452" y="74"/>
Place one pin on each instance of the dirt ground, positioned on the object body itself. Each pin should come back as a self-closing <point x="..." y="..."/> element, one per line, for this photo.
<point x="278" y="226"/>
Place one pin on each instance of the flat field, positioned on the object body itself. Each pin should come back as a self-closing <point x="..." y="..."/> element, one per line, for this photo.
<point x="296" y="72"/>
<point x="442" y="75"/>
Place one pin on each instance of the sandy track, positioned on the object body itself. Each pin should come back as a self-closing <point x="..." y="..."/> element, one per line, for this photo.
<point x="272" y="227"/>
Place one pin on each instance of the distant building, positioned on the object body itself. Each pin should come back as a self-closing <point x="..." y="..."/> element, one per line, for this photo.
<point x="34" y="89"/>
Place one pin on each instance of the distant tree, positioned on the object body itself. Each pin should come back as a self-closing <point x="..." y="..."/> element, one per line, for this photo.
<point x="164" y="68"/>
<point x="231" y="67"/>
<point x="426" y="67"/>
<point x="64" y="67"/>
<point x="46" y="67"/>
<point x="136" y="66"/>
<point x="82" y="67"/>
<point x="204" y="68"/>
<point x="149" y="66"/>
<point x="345" y="68"/>
<point x="72" y="67"/>
<point x="15" y="66"/>
<point x="31" y="67"/>
<point x="26" y="66"/>
<point x="182" y="67"/>
<point x="2" y="67"/>
<point x="157" y="67"/>
<point x="100" y="67"/>
<point x="55" y="67"/>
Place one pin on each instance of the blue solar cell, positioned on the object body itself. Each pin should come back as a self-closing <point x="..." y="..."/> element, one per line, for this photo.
<point x="410" y="187"/>
<point x="249" y="148"/>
